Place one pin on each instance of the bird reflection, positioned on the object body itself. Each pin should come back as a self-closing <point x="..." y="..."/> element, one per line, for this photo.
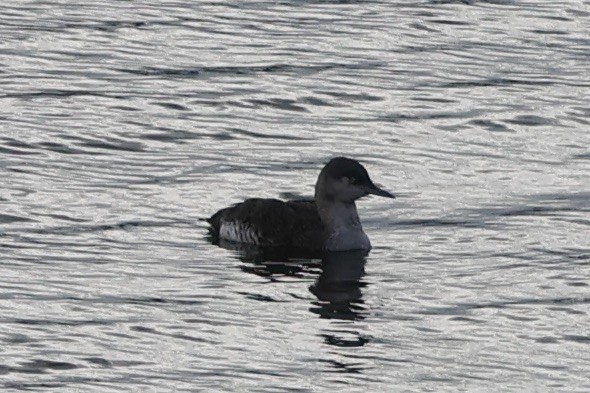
<point x="272" y="262"/>
<point x="338" y="288"/>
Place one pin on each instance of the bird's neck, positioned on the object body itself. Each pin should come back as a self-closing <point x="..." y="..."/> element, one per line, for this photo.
<point x="336" y="214"/>
<point x="342" y="226"/>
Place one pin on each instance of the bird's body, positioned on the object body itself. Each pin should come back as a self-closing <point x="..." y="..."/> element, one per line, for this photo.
<point x="328" y="222"/>
<point x="270" y="223"/>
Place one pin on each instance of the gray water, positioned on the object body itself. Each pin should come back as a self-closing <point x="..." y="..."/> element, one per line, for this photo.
<point x="123" y="124"/>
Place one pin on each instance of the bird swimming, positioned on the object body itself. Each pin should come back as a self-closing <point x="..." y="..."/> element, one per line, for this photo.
<point x="329" y="222"/>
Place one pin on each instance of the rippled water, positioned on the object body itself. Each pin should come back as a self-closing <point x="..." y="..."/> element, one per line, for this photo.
<point x="124" y="123"/>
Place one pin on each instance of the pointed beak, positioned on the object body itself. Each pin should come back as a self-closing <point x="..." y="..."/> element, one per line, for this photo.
<point x="374" y="190"/>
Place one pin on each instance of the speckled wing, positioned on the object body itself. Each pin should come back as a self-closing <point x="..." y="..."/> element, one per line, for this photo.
<point x="270" y="222"/>
<point x="263" y="222"/>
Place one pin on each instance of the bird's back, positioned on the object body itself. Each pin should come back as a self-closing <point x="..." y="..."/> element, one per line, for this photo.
<point x="270" y="222"/>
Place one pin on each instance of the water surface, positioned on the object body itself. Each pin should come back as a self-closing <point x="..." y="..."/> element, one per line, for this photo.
<point x="124" y="123"/>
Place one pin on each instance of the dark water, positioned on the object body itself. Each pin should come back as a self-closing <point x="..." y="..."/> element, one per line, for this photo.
<point x="123" y="123"/>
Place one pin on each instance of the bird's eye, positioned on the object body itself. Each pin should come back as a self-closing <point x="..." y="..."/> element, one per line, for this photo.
<point x="349" y="179"/>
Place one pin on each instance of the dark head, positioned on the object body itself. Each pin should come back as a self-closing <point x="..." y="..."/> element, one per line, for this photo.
<point x="346" y="180"/>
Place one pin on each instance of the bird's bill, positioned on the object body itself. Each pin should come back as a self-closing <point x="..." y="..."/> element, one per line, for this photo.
<point x="374" y="190"/>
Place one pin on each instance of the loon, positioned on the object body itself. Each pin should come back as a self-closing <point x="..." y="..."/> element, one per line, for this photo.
<point x="329" y="222"/>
